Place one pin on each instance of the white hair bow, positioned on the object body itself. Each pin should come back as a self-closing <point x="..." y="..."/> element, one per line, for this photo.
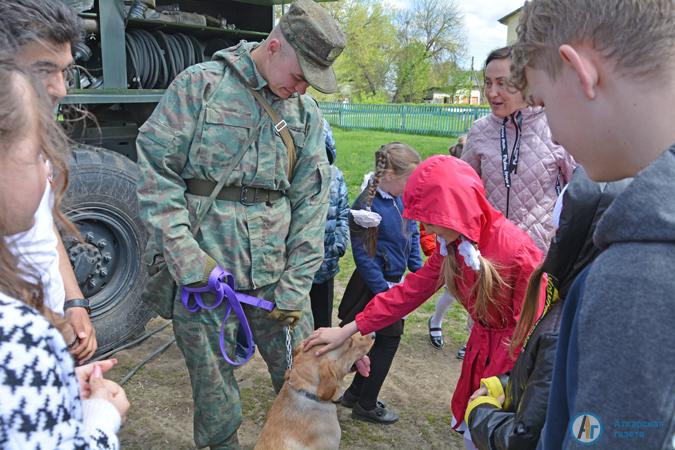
<point x="470" y="253"/>
<point x="365" y="218"/>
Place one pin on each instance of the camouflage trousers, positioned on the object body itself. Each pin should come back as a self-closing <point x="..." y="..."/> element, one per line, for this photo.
<point x="217" y="405"/>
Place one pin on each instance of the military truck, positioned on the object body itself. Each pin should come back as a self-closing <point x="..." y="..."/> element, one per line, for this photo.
<point x="129" y="54"/>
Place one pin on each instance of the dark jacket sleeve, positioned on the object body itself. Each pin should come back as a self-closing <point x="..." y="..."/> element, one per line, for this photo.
<point x="342" y="219"/>
<point x="493" y="428"/>
<point x="415" y="257"/>
<point x="366" y="265"/>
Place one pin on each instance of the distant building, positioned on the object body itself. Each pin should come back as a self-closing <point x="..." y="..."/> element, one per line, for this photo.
<point x="468" y="97"/>
<point x="437" y="95"/>
<point x="511" y="22"/>
<point x="461" y="96"/>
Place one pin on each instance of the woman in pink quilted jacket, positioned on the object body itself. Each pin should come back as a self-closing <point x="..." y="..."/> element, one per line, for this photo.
<point x="522" y="169"/>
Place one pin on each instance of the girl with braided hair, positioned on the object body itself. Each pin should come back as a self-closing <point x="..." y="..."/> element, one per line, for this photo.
<point x="482" y="258"/>
<point x="384" y="244"/>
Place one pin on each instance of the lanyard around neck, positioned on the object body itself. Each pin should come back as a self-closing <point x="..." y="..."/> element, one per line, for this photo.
<point x="510" y="165"/>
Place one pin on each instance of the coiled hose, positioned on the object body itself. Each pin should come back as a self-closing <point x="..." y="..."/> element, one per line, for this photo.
<point x="155" y="58"/>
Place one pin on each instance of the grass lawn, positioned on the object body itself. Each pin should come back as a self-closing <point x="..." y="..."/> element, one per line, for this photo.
<point x="356" y="157"/>
<point x="356" y="151"/>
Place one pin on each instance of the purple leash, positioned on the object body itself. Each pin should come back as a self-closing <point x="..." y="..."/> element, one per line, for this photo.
<point x="221" y="284"/>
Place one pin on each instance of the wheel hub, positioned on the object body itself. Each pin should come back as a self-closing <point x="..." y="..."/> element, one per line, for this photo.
<point x="93" y="260"/>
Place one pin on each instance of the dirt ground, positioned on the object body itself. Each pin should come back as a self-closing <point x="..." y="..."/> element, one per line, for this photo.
<point x="419" y="387"/>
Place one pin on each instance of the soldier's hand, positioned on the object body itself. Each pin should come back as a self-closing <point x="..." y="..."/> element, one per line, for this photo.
<point x="286" y="316"/>
<point x="209" y="265"/>
<point x="78" y="318"/>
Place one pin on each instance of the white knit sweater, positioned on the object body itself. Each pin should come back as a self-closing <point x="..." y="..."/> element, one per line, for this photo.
<point x="40" y="404"/>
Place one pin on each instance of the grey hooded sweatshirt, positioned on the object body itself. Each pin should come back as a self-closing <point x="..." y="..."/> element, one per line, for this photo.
<point x="614" y="377"/>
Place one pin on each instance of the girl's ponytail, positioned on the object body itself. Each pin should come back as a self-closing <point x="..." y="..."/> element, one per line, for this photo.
<point x="489" y="281"/>
<point x="528" y="315"/>
<point x="381" y="164"/>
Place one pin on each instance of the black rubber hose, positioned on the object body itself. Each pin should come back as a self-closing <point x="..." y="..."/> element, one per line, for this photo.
<point x="146" y="61"/>
<point x="158" y="63"/>
<point x="199" y="49"/>
<point x="141" y="56"/>
<point x="176" y="52"/>
<point x="168" y="55"/>
<point x="149" y="358"/>
<point x="133" y="76"/>
<point x="138" y="340"/>
<point x="188" y="51"/>
<point x="163" y="72"/>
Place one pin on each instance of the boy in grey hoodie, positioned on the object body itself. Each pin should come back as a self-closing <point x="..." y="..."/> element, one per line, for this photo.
<point x="604" y="71"/>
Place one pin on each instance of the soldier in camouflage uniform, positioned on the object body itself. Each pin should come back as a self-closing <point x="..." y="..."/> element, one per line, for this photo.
<point x="269" y="235"/>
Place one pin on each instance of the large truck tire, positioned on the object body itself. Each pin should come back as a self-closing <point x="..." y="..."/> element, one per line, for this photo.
<point x="101" y="201"/>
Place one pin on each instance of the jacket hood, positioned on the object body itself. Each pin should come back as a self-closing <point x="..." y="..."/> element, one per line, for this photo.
<point x="239" y="59"/>
<point x="446" y="191"/>
<point x="572" y="247"/>
<point x="645" y="212"/>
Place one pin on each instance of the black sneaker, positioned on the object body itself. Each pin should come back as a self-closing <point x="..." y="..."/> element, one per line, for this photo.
<point x="379" y="414"/>
<point x="461" y="352"/>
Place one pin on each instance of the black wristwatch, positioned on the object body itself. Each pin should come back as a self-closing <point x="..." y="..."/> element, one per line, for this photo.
<point x="77" y="303"/>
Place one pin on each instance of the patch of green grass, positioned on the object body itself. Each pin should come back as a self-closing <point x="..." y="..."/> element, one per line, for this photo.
<point x="356" y="151"/>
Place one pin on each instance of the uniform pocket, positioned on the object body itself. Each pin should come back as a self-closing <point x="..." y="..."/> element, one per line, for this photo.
<point x="158" y="133"/>
<point x="223" y="134"/>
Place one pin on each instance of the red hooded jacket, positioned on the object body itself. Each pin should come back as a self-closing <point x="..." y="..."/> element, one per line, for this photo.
<point x="446" y="191"/>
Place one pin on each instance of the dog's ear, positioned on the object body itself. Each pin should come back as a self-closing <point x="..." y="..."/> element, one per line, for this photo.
<point x="328" y="381"/>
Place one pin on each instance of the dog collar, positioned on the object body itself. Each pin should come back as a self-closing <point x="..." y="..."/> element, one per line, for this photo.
<point x="308" y="394"/>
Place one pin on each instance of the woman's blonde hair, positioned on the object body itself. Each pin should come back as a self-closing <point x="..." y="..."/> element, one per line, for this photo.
<point x="17" y="111"/>
<point x="399" y="158"/>
<point x="488" y="283"/>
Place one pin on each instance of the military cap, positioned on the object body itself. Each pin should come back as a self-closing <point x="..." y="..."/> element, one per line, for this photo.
<point x="317" y="41"/>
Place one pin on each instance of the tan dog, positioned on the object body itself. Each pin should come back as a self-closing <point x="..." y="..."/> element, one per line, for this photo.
<point x="303" y="415"/>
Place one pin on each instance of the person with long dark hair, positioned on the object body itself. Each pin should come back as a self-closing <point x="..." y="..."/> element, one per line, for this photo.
<point x="517" y="424"/>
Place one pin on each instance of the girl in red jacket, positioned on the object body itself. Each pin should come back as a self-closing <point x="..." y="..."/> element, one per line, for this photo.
<point x="483" y="259"/>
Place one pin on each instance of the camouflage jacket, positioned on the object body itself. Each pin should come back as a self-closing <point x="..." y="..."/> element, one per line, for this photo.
<point x="201" y="123"/>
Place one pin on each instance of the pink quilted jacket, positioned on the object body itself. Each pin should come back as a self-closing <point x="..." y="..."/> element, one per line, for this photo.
<point x="533" y="187"/>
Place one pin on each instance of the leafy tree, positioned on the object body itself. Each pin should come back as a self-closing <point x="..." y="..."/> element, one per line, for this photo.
<point x="429" y="33"/>
<point x="371" y="39"/>
<point x="413" y="70"/>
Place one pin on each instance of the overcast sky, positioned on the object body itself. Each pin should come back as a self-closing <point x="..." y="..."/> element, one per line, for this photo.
<point x="484" y="33"/>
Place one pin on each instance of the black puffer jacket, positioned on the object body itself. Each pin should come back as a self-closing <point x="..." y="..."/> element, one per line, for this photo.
<point x="518" y="424"/>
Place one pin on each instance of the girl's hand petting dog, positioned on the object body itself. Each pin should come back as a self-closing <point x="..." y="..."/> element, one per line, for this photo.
<point x="332" y="338"/>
